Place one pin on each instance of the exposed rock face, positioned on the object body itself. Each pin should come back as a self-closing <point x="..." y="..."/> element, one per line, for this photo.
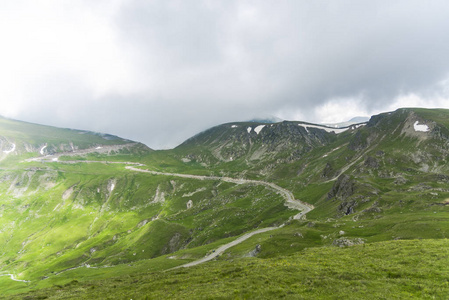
<point x="343" y="188"/>
<point x="159" y="197"/>
<point x="174" y="244"/>
<point x="347" y="242"/>
<point x="142" y="223"/>
<point x="328" y="171"/>
<point x="347" y="207"/>
<point x="256" y="251"/>
<point x="372" y="163"/>
<point x="400" y="180"/>
<point x="359" y="142"/>
<point x="229" y="142"/>
<point x="409" y="127"/>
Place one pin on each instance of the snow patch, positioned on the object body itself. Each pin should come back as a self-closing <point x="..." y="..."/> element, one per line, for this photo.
<point x="42" y="149"/>
<point x="259" y="128"/>
<point x="112" y="186"/>
<point x="249" y="129"/>
<point x="328" y="129"/>
<point x="98" y="148"/>
<point x="194" y="192"/>
<point x="54" y="159"/>
<point x="12" y="150"/>
<point x="420" y="127"/>
<point x="234" y="126"/>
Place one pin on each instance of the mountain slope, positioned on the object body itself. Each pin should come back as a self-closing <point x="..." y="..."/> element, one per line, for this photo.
<point x="17" y="137"/>
<point x="385" y="180"/>
<point x="256" y="147"/>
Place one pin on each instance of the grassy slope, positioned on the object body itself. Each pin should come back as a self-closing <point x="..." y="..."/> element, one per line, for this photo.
<point x="389" y="211"/>
<point x="106" y="228"/>
<point x="35" y="134"/>
<point x="394" y="269"/>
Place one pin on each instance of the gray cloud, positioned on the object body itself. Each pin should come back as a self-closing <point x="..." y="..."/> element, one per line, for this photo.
<point x="180" y="67"/>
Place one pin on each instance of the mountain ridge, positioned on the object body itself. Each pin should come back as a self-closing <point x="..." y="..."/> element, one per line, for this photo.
<point x="385" y="180"/>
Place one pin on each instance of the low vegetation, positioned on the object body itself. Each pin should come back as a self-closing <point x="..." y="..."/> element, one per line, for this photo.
<point x="82" y="225"/>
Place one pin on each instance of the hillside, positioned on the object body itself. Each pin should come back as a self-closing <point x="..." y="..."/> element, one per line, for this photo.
<point x="87" y="215"/>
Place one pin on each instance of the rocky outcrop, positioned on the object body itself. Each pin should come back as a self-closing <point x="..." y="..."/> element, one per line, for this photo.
<point x="174" y="244"/>
<point x="348" y="207"/>
<point x="371" y="162"/>
<point x="229" y="142"/>
<point x="328" y="171"/>
<point x="347" y="242"/>
<point x="255" y="252"/>
<point x="343" y="188"/>
<point x="359" y="142"/>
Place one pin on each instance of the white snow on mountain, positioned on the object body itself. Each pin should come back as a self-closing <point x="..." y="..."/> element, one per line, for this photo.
<point x="259" y="128"/>
<point x="420" y="127"/>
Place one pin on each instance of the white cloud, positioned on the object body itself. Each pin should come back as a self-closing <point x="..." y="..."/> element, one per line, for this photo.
<point x="143" y="69"/>
<point x="340" y="110"/>
<point x="49" y="38"/>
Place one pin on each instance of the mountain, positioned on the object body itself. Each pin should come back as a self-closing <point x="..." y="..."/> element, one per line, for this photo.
<point x="355" y="120"/>
<point x="17" y="137"/>
<point x="251" y="142"/>
<point x="373" y="196"/>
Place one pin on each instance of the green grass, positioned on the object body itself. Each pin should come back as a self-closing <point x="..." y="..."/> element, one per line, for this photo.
<point x="385" y="270"/>
<point x="44" y="233"/>
<point x="106" y="228"/>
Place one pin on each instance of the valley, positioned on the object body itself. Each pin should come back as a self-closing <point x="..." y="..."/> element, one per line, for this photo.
<point x="356" y="208"/>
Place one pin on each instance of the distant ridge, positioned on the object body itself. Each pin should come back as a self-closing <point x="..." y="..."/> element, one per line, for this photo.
<point x="355" y="120"/>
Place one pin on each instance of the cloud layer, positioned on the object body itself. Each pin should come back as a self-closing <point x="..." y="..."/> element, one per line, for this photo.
<point x="160" y="71"/>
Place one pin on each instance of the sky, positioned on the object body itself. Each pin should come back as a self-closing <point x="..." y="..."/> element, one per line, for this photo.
<point x="160" y="71"/>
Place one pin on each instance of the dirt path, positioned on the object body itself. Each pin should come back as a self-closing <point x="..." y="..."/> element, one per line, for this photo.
<point x="291" y="202"/>
<point x="14" y="278"/>
<point x="225" y="247"/>
<point x="101" y="150"/>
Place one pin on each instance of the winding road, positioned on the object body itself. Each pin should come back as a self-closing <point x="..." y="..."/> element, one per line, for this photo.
<point x="291" y="202"/>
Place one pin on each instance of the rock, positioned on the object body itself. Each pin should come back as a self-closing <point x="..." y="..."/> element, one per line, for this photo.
<point x="359" y="142"/>
<point x="142" y="223"/>
<point x="343" y="188"/>
<point x="173" y="245"/>
<point x="189" y="204"/>
<point x="347" y="207"/>
<point x="371" y="162"/>
<point x="400" y="180"/>
<point x="380" y="153"/>
<point x="255" y="251"/>
<point x="347" y="242"/>
<point x="373" y="209"/>
<point x="311" y="224"/>
<point x="328" y="171"/>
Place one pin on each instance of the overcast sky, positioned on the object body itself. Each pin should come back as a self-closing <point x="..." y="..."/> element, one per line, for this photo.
<point x="161" y="71"/>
